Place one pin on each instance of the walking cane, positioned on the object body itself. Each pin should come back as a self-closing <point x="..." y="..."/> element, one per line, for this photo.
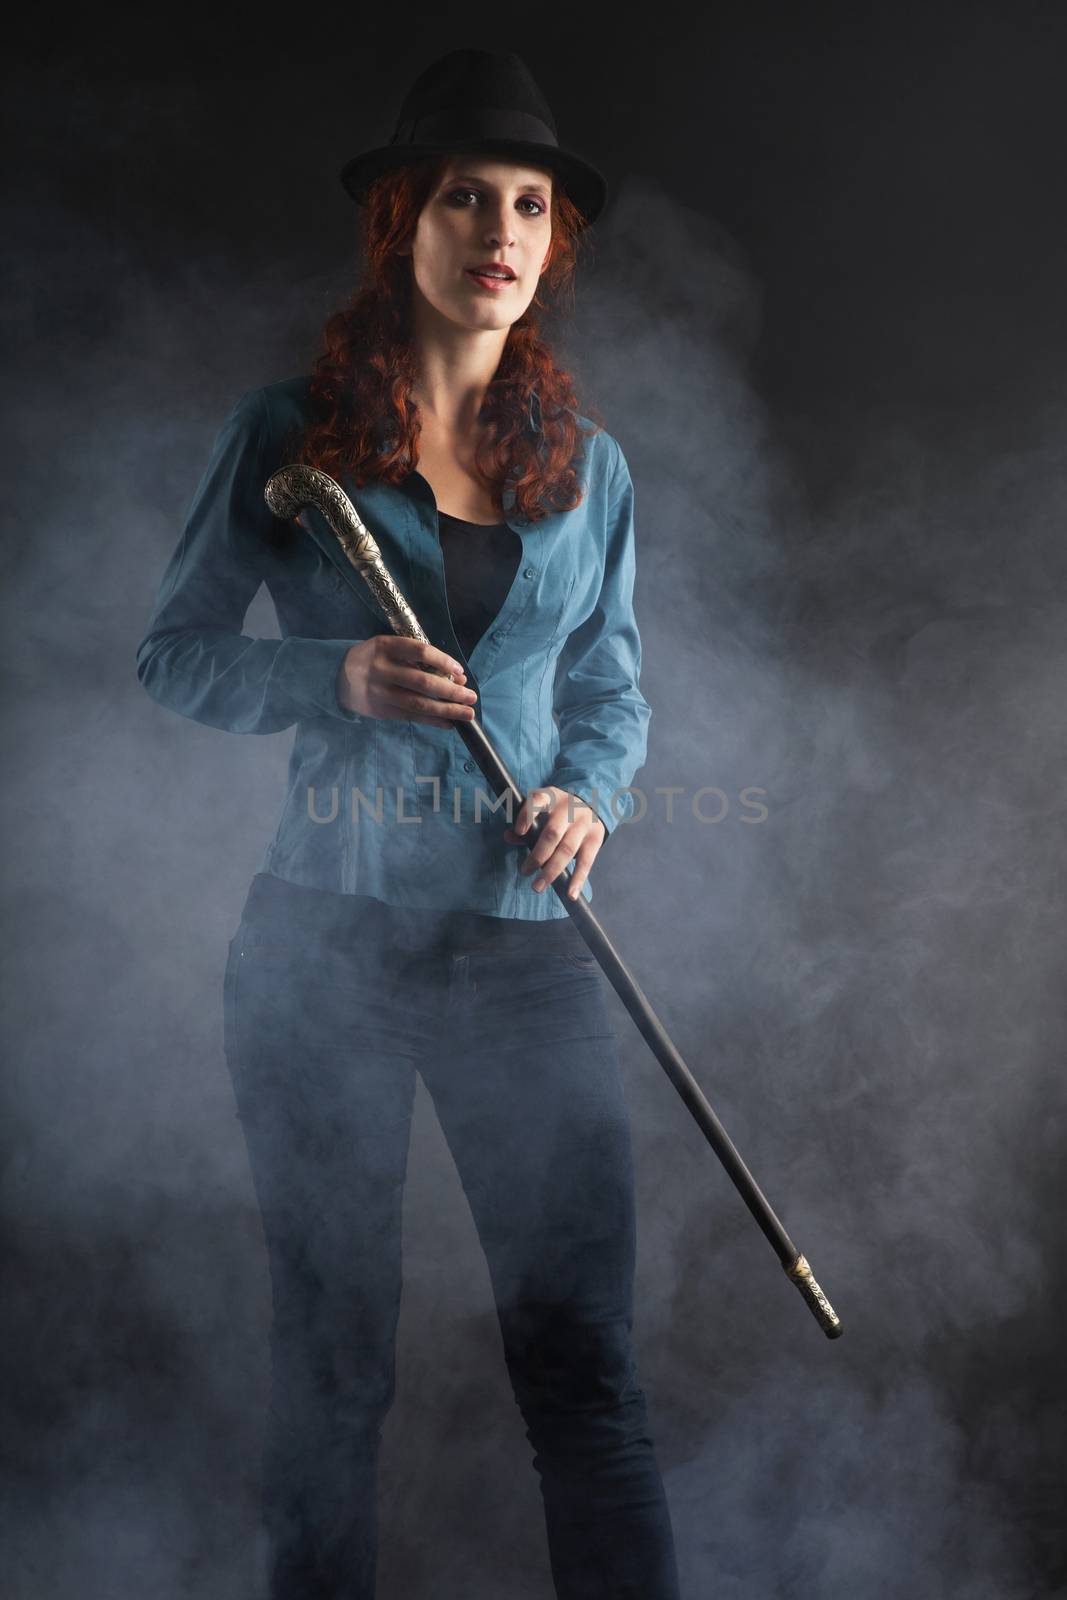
<point x="287" y="492"/>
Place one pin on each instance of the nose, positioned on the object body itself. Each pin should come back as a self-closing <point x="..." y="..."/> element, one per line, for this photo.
<point x="498" y="230"/>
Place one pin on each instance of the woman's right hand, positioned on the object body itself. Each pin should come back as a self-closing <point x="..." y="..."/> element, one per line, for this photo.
<point x="402" y="679"/>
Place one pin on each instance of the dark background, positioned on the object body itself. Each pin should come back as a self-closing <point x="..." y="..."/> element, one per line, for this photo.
<point x="825" y="319"/>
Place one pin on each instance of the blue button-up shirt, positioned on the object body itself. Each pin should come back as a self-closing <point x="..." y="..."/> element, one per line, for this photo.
<point x="389" y="808"/>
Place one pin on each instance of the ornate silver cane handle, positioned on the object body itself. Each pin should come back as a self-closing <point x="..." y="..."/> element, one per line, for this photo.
<point x="290" y="489"/>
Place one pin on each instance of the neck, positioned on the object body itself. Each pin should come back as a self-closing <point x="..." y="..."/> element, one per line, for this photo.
<point x="455" y="367"/>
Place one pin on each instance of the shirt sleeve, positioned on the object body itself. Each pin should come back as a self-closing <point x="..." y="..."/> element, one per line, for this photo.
<point x="193" y="658"/>
<point x="603" y="716"/>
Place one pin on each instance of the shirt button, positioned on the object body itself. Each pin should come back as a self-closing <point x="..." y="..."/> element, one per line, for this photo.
<point x="497" y="634"/>
<point x="529" y="572"/>
<point x="468" y="766"/>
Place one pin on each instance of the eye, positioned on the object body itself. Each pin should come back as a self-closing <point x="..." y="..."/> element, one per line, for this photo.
<point x="526" y="200"/>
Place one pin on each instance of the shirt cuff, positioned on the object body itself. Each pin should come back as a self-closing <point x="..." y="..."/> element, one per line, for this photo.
<point x="307" y="669"/>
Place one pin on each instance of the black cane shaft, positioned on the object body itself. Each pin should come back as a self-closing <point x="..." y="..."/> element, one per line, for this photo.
<point x="662" y="1046"/>
<point x="652" y="1030"/>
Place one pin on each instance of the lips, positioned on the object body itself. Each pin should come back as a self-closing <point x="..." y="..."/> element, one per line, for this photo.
<point x="492" y="280"/>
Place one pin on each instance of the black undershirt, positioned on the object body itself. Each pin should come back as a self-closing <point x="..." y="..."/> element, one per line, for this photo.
<point x="480" y="564"/>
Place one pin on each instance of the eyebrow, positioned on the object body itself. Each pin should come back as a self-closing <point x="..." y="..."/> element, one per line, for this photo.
<point x="465" y="177"/>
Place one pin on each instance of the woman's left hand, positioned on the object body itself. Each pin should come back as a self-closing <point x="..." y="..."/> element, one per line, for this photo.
<point x="573" y="832"/>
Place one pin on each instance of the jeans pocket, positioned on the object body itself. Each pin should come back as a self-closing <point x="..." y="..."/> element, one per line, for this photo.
<point x="252" y="953"/>
<point x="582" y="960"/>
<point x="277" y="951"/>
<point x="261" y="956"/>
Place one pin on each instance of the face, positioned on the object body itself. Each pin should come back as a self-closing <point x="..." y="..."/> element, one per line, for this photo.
<point x="483" y="210"/>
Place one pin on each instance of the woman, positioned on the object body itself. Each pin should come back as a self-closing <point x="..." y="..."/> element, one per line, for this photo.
<point x="376" y="942"/>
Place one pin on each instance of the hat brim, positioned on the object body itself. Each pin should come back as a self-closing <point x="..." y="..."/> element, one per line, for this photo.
<point x="585" y="185"/>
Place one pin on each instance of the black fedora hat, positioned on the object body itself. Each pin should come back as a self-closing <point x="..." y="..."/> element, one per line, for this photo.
<point x="479" y="100"/>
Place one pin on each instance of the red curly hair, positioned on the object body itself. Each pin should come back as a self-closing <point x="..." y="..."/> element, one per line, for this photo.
<point x="361" y="387"/>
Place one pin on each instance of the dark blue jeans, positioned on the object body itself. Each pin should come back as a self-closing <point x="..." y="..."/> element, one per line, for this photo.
<point x="506" y="1023"/>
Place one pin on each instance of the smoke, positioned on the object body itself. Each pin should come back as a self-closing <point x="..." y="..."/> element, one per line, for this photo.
<point x="859" y="961"/>
<point x="865" y="979"/>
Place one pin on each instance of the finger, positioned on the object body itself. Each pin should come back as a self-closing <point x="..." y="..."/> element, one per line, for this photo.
<point x="555" y="847"/>
<point x="400" y="681"/>
<point x="560" y="858"/>
<point x="438" y="662"/>
<point x="419" y="674"/>
<point x="582" y="862"/>
<point x="426" y="683"/>
<point x="403" y="706"/>
<point x="583" y="852"/>
<point x="537" y="800"/>
<point x="421" y="655"/>
<point x="445" y="687"/>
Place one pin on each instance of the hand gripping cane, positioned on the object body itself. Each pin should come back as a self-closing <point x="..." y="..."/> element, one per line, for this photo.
<point x="291" y="489"/>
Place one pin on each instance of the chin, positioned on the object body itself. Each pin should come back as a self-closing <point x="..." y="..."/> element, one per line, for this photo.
<point x="490" y="317"/>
